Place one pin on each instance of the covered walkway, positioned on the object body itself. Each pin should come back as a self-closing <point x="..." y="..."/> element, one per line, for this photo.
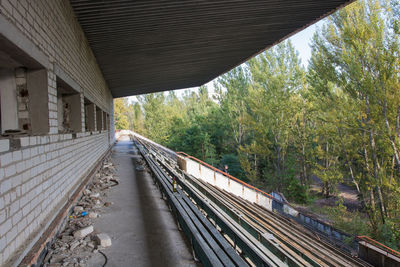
<point x="142" y="229"/>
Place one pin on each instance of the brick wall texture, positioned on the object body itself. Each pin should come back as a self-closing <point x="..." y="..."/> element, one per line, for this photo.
<point x="37" y="178"/>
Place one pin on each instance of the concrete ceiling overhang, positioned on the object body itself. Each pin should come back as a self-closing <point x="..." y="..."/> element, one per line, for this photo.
<point x="157" y="45"/>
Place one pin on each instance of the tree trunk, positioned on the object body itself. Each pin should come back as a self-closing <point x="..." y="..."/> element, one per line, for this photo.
<point x="303" y="176"/>
<point x="375" y="162"/>
<point x="371" y="211"/>
<point x="278" y="167"/>
<point x="391" y="137"/>
<point x="348" y="162"/>
<point x="326" y="184"/>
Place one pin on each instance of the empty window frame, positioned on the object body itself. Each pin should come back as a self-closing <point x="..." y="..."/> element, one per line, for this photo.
<point x="23" y="98"/>
<point x="69" y="112"/>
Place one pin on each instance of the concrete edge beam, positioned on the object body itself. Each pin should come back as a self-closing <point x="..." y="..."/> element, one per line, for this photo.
<point x="11" y="36"/>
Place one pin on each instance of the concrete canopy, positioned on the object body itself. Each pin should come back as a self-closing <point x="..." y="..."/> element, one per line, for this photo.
<point x="148" y="46"/>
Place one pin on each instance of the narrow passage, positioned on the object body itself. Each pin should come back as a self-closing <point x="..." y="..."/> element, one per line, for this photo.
<point x="142" y="229"/>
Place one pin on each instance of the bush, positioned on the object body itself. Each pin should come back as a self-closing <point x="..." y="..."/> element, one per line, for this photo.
<point x="234" y="167"/>
<point x="295" y="191"/>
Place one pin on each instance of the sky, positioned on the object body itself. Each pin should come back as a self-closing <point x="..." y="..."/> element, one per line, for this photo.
<point x="301" y="42"/>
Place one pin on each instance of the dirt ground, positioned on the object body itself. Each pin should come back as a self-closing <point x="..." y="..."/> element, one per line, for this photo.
<point x="348" y="193"/>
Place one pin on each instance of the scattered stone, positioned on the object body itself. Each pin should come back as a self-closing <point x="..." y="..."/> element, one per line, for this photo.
<point x="74" y="244"/>
<point x="92" y="215"/>
<point x="78" y="209"/>
<point x="66" y="238"/>
<point x="103" y="240"/>
<point x="83" y="232"/>
<point x="95" y="195"/>
<point x="140" y="168"/>
<point x="48" y="256"/>
<point x="87" y="192"/>
<point x="56" y="258"/>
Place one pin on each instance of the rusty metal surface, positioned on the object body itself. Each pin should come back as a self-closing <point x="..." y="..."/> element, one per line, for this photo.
<point x="147" y="46"/>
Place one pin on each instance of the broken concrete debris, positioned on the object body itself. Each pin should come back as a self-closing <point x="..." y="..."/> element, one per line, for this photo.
<point x="78" y="209"/>
<point x="78" y="241"/>
<point x="140" y="168"/>
<point x="74" y="244"/>
<point x="95" y="195"/>
<point x="92" y="215"/>
<point x="103" y="240"/>
<point x="141" y="165"/>
<point x="81" y="233"/>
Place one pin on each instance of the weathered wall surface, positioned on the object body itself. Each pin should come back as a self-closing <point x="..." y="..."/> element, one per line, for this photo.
<point x="53" y="28"/>
<point x="221" y="181"/>
<point x="39" y="173"/>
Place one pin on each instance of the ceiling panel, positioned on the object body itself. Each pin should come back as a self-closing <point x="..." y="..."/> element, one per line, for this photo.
<point x="149" y="46"/>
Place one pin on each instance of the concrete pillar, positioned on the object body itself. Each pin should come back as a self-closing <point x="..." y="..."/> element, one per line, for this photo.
<point x="90" y="117"/>
<point x="8" y="97"/>
<point x="74" y="103"/>
<point x="60" y="112"/>
<point x="99" y="119"/>
<point x="83" y="115"/>
<point x="24" y="120"/>
<point x="105" y="121"/>
<point x="37" y="85"/>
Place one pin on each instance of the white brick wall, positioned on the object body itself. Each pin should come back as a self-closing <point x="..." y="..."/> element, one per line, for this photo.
<point x="32" y="186"/>
<point x="40" y="176"/>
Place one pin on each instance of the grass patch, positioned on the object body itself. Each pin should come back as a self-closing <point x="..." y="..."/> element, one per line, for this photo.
<point x="354" y="222"/>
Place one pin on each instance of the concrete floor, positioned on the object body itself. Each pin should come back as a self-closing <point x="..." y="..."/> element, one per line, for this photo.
<point x="141" y="227"/>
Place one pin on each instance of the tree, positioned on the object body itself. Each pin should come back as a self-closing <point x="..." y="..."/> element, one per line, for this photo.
<point x="357" y="53"/>
<point x="276" y="77"/>
<point x="121" y="114"/>
<point x="233" y="101"/>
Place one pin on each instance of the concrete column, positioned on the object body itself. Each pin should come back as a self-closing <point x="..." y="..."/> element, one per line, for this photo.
<point x="99" y="119"/>
<point x="90" y="117"/>
<point x="60" y="113"/>
<point x="8" y="96"/>
<point x="37" y="85"/>
<point x="83" y="113"/>
<point x="105" y="121"/>
<point x="74" y="103"/>
<point x="24" y="120"/>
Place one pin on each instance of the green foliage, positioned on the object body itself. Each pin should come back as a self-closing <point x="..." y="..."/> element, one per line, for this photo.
<point x="295" y="191"/>
<point x="389" y="232"/>
<point x="235" y="169"/>
<point x="121" y="114"/>
<point x="277" y="78"/>
<point x="354" y="223"/>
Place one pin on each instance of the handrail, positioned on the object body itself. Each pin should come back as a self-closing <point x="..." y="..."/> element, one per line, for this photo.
<point x="374" y="242"/>
<point x="226" y="174"/>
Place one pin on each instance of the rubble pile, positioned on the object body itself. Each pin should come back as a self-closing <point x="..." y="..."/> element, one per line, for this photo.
<point x="75" y="244"/>
<point x="141" y="165"/>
